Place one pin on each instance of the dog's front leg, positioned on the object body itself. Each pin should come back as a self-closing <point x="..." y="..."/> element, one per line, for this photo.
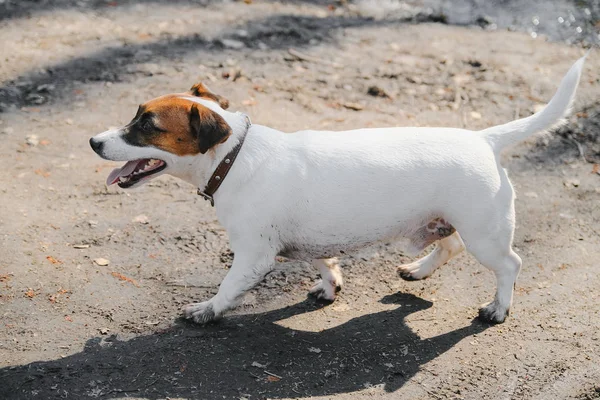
<point x="245" y="273"/>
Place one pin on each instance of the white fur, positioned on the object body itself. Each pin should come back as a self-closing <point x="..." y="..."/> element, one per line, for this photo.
<point x="315" y="195"/>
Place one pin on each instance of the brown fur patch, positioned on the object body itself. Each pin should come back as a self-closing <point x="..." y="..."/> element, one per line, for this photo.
<point x="435" y="230"/>
<point x="176" y="125"/>
<point x="200" y="90"/>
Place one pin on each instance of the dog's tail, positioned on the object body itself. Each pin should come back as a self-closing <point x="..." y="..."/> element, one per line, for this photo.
<point x="513" y="132"/>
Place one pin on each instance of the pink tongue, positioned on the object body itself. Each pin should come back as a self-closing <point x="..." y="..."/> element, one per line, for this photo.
<point x="125" y="170"/>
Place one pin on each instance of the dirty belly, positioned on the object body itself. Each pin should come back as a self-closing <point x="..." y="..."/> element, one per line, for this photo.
<point x="419" y="239"/>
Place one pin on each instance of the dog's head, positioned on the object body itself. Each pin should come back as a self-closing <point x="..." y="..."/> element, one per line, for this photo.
<point x="164" y="132"/>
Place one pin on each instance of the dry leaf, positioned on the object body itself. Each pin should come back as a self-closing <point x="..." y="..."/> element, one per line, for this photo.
<point x="30" y="293"/>
<point x="53" y="260"/>
<point x="271" y="378"/>
<point x="122" y="277"/>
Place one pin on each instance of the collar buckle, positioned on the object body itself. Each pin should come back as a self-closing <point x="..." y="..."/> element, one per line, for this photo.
<point x="206" y="196"/>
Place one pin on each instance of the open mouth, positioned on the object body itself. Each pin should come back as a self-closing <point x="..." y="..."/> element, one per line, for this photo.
<point x="135" y="171"/>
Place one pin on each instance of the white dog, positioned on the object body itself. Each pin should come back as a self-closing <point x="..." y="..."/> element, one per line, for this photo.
<point x="314" y="195"/>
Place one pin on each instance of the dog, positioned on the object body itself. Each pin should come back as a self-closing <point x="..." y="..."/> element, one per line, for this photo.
<point x="315" y="195"/>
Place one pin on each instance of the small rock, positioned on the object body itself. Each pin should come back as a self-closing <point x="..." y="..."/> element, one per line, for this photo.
<point x="92" y="223"/>
<point x="314" y="350"/>
<point x="45" y="88"/>
<point x="69" y="121"/>
<point x="81" y="246"/>
<point x="377" y="92"/>
<point x="141" y="219"/>
<point x="32" y="140"/>
<point x="34" y="98"/>
<point x="353" y="106"/>
<point x="258" y="365"/>
<point x="571" y="182"/>
<point x="475" y="115"/>
<point x="232" y="44"/>
<point x="103" y="262"/>
<point x="104" y="331"/>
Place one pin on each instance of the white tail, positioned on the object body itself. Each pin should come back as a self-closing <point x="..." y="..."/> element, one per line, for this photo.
<point x="513" y="132"/>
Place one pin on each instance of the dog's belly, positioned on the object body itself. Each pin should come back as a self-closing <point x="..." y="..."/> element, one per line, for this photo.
<point x="417" y="240"/>
<point x="307" y="252"/>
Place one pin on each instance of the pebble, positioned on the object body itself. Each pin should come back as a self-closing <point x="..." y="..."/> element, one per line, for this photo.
<point x="103" y="262"/>
<point x="377" y="92"/>
<point x="141" y="219"/>
<point x="232" y="44"/>
<point x="571" y="182"/>
<point x="32" y="140"/>
<point x="353" y="106"/>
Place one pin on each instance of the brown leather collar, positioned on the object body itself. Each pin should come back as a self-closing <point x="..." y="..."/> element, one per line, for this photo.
<point x="223" y="169"/>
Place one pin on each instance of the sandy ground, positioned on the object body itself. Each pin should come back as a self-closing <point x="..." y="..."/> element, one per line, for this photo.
<point x="71" y="328"/>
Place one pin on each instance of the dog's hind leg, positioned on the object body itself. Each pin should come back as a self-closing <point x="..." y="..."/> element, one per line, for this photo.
<point x="445" y="249"/>
<point x="245" y="273"/>
<point x="489" y="238"/>
<point x="505" y="264"/>
<point x="331" y="279"/>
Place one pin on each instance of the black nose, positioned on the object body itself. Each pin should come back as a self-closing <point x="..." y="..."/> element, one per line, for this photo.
<point x="96" y="145"/>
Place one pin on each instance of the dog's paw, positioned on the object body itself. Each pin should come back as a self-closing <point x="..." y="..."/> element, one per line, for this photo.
<point x="413" y="272"/>
<point x="325" y="290"/>
<point x="493" y="313"/>
<point x="201" y="313"/>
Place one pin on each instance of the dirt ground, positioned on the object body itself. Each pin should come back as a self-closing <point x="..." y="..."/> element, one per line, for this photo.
<point x="71" y="328"/>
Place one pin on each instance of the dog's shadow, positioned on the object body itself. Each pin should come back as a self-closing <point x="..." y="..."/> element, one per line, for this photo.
<point x="242" y="356"/>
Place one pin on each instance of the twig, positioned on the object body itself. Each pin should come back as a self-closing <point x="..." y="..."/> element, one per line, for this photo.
<point x="580" y="148"/>
<point x="185" y="285"/>
<point x="306" y="57"/>
<point x="269" y="373"/>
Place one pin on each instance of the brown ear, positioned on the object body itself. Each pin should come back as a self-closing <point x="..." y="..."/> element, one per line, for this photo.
<point x="200" y="90"/>
<point x="208" y="127"/>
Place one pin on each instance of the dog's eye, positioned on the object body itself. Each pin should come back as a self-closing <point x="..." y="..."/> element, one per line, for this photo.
<point x="147" y="126"/>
